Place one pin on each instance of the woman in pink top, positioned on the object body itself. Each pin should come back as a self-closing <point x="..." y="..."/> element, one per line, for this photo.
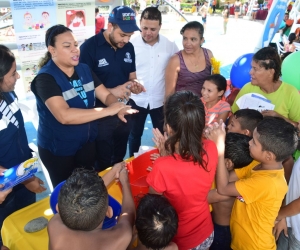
<point x="188" y="68"/>
<point x="213" y="90"/>
<point x="289" y="46"/>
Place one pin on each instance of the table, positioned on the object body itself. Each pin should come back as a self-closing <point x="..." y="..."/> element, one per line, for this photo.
<point x="261" y="14"/>
<point x="13" y="234"/>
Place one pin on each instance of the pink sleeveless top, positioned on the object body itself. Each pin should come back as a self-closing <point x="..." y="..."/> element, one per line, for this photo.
<point x="192" y="81"/>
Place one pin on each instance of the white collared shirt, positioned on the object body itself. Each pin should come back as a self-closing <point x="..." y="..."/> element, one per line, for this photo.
<point x="293" y="194"/>
<point x="151" y="62"/>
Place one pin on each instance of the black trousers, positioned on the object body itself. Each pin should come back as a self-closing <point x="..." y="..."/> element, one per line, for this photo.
<point x="61" y="167"/>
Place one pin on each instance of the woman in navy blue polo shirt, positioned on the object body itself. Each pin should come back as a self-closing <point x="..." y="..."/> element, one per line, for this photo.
<point x="14" y="147"/>
<point x="66" y="91"/>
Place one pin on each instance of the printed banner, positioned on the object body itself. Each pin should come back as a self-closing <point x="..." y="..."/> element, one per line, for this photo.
<point x="31" y="20"/>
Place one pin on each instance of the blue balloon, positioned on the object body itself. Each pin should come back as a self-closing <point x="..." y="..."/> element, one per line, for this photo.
<point x="240" y="71"/>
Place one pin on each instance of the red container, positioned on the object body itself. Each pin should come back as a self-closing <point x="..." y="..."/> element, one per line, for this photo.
<point x="138" y="173"/>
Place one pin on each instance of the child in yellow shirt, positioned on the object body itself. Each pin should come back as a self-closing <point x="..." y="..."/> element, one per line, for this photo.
<point x="260" y="188"/>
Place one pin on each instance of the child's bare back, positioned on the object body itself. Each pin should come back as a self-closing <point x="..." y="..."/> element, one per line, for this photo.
<point x="61" y="237"/>
<point x="82" y="207"/>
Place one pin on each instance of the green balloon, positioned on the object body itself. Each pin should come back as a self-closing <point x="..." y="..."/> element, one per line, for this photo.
<point x="290" y="69"/>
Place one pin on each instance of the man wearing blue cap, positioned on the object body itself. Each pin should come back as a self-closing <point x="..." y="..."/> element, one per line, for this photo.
<point x="111" y="56"/>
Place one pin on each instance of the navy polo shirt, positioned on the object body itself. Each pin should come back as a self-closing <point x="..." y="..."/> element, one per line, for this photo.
<point x="111" y="66"/>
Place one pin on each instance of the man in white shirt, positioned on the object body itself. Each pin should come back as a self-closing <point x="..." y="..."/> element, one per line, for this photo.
<point x="152" y="53"/>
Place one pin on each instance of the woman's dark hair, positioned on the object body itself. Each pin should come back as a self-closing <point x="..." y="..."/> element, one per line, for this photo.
<point x="268" y="58"/>
<point x="184" y="113"/>
<point x="50" y="40"/>
<point x="7" y="59"/>
<point x="219" y="81"/>
<point x="195" y="26"/>
<point x="292" y="38"/>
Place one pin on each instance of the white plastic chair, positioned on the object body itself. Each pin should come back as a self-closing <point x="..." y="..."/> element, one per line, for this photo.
<point x="297" y="45"/>
<point x="280" y="48"/>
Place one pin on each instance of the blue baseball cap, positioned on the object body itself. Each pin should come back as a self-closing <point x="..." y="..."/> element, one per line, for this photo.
<point x="124" y="17"/>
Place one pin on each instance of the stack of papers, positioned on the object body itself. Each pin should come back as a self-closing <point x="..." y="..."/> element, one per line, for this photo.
<point x="17" y="174"/>
<point x="254" y="101"/>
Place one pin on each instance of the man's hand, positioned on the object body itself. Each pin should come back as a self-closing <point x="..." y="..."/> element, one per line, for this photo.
<point x="34" y="185"/>
<point x="216" y="132"/>
<point x="122" y="91"/>
<point x="136" y="87"/>
<point x="279" y="226"/>
<point x="126" y="111"/>
<point x="3" y="194"/>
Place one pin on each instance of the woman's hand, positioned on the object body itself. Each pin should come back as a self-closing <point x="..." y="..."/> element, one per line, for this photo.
<point x="270" y="113"/>
<point x="116" y="107"/>
<point x="2" y="170"/>
<point x="3" y="194"/>
<point x="127" y="110"/>
<point x="34" y="185"/>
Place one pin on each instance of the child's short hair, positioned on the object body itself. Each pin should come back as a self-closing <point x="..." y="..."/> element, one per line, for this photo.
<point x="277" y="136"/>
<point x="83" y="200"/>
<point x="248" y="118"/>
<point x="219" y="81"/>
<point x="237" y="149"/>
<point x="156" y="221"/>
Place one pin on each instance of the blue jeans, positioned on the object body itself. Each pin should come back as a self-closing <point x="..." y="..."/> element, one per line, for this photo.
<point x="20" y="197"/>
<point x="290" y="243"/>
<point x="111" y="142"/>
<point x="138" y="123"/>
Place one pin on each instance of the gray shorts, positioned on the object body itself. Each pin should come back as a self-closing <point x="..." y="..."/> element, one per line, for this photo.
<point x="206" y="243"/>
<point x="288" y="243"/>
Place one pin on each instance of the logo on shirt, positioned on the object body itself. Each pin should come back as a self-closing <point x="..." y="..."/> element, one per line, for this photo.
<point x="127" y="58"/>
<point x="103" y="62"/>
